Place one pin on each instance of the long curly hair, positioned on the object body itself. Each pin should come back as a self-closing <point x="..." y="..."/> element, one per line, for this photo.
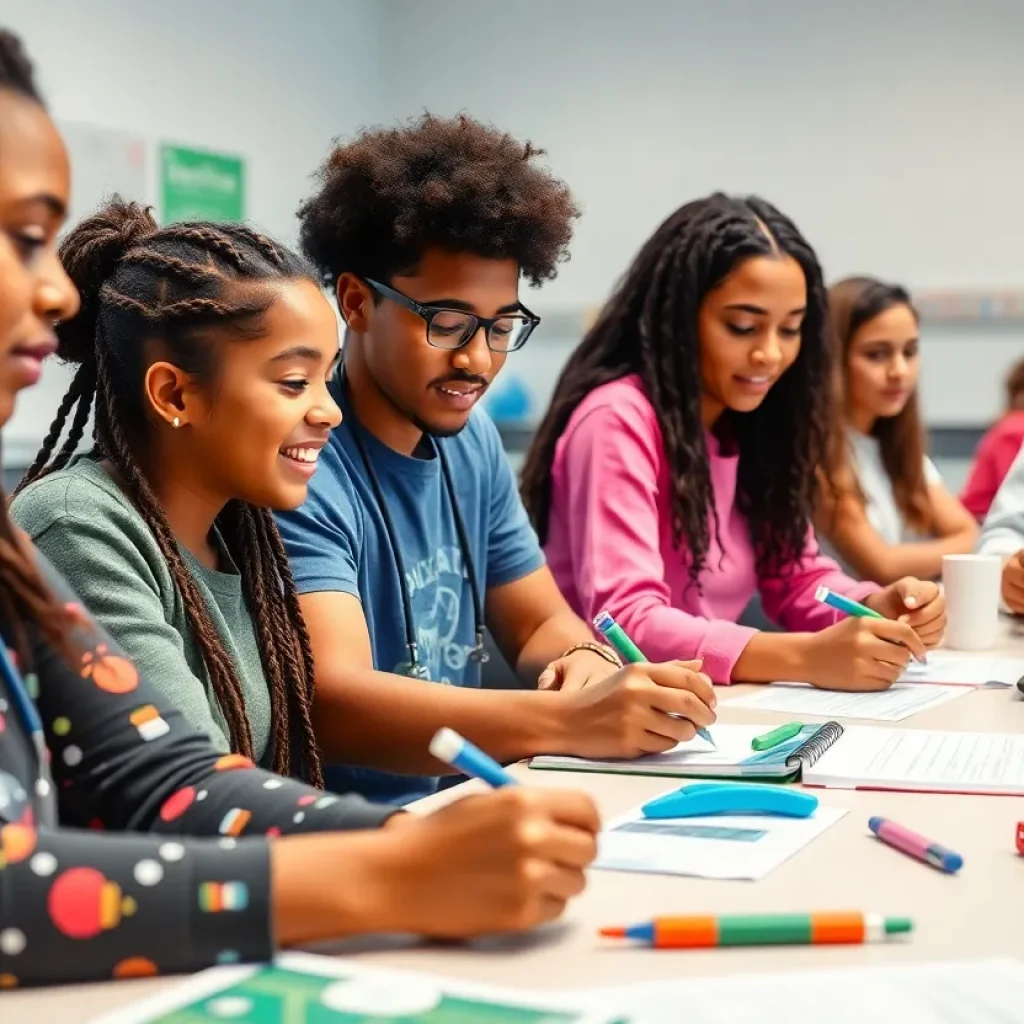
<point x="192" y="286"/>
<point x="649" y="328"/>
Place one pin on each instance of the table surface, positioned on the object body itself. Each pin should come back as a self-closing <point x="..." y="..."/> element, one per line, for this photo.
<point x="842" y="869"/>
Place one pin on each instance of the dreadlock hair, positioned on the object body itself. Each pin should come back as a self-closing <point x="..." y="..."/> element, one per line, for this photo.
<point x="185" y="287"/>
<point x="456" y="184"/>
<point x="649" y="328"/>
<point x="853" y="302"/>
<point x="25" y="601"/>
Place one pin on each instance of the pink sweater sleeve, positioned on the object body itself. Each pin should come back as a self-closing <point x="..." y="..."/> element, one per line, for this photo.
<point x="788" y="598"/>
<point x="611" y="460"/>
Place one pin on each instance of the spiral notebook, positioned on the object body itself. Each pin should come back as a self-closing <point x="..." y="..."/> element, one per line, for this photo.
<point x="734" y="757"/>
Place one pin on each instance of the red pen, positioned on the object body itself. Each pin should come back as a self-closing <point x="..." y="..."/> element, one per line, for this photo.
<point x="1020" y="838"/>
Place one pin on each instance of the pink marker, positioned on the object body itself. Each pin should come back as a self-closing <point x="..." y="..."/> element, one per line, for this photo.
<point x="916" y="846"/>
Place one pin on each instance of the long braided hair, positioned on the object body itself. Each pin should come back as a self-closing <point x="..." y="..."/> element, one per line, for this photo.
<point x="649" y="328"/>
<point x="25" y="600"/>
<point x="185" y="287"/>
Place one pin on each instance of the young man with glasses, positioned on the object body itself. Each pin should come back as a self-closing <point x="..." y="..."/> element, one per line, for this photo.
<point x="413" y="537"/>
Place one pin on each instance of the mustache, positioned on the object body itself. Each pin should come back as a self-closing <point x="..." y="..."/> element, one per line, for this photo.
<point x="461" y="377"/>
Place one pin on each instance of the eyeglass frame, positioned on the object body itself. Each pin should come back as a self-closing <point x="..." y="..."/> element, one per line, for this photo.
<point x="427" y="314"/>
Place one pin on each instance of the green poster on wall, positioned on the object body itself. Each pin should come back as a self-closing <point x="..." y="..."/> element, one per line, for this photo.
<point x="196" y="184"/>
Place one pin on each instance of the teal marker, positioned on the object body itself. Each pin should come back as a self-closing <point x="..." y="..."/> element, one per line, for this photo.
<point x="616" y="636"/>
<point x="848" y="606"/>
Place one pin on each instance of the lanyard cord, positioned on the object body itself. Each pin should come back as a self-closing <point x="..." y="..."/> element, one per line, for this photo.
<point x="479" y="654"/>
<point x="41" y="800"/>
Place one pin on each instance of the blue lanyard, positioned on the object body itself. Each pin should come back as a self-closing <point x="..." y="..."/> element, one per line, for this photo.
<point x="22" y="701"/>
<point x="33" y="724"/>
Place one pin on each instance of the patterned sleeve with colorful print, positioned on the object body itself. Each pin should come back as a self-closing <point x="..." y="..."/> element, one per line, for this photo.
<point x="84" y="892"/>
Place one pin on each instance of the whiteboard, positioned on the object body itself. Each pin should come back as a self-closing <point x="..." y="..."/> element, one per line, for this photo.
<point x="103" y="161"/>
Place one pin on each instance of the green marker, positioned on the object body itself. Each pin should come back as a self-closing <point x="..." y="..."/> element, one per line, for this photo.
<point x="772" y="739"/>
<point x="616" y="636"/>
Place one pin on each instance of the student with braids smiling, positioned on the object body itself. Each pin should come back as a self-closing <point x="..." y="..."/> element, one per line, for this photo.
<point x="129" y="845"/>
<point x="673" y="476"/>
<point x="203" y="351"/>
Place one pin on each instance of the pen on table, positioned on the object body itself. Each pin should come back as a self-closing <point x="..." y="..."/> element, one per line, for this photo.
<point x="617" y="637"/>
<point x="916" y="845"/>
<point x="776" y="737"/>
<point x="835" y="928"/>
<point x="848" y="606"/>
<point x="451" y="748"/>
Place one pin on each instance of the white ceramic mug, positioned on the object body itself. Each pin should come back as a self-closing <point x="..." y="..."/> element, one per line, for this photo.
<point x="972" y="584"/>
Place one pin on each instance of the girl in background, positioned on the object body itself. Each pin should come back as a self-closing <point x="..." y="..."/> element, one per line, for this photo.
<point x="884" y="508"/>
<point x="997" y="449"/>
<point x="674" y="473"/>
<point x="104" y="787"/>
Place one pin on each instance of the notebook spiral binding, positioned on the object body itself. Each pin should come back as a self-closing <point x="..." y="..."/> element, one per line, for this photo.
<point x="815" y="745"/>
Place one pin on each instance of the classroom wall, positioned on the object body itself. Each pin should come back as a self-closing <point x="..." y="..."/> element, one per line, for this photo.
<point x="891" y="130"/>
<point x="269" y="80"/>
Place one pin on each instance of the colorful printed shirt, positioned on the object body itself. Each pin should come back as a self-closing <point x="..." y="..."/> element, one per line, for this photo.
<point x="99" y="875"/>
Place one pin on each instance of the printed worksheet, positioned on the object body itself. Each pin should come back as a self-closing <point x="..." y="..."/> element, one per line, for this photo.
<point x="900" y="701"/>
<point x="736" y="846"/>
<point x="960" y="668"/>
<point x="923" y="760"/>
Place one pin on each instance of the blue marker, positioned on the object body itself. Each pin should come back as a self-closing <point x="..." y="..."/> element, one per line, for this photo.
<point x="448" y="746"/>
<point x="848" y="606"/>
<point x="619" y="639"/>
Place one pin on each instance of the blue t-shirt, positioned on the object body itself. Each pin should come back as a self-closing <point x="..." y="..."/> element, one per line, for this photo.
<point x="337" y="541"/>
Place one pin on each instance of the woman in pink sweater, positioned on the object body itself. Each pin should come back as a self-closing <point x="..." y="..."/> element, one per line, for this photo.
<point x="673" y="476"/>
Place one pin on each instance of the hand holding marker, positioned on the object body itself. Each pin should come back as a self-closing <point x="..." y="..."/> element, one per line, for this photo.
<point x="848" y="606"/>
<point x="616" y="636"/>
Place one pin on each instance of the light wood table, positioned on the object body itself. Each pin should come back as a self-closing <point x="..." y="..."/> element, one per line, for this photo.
<point x="979" y="912"/>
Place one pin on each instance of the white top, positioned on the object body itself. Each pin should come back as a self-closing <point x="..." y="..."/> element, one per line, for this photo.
<point x="880" y="507"/>
<point x="1002" y="533"/>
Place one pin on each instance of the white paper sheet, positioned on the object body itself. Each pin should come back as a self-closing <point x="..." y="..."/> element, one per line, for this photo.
<point x="900" y="701"/>
<point x="922" y="759"/>
<point x="740" y="846"/>
<point x="979" y="992"/>
<point x="957" y="668"/>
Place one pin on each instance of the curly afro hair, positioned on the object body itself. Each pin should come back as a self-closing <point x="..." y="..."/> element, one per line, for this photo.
<point x="457" y="184"/>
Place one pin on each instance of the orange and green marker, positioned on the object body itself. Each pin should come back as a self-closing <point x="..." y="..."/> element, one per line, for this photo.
<point x="838" y="928"/>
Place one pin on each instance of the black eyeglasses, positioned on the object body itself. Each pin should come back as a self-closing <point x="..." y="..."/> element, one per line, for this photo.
<point x="453" y="328"/>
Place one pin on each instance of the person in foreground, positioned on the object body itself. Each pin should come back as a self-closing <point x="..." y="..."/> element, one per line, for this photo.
<point x="884" y="507"/>
<point x="413" y="538"/>
<point x="106" y="793"/>
<point x="674" y="473"/>
<point x="997" y="449"/>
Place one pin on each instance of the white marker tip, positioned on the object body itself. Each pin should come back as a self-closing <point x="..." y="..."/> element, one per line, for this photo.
<point x="821" y="593"/>
<point x="446" y="745"/>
